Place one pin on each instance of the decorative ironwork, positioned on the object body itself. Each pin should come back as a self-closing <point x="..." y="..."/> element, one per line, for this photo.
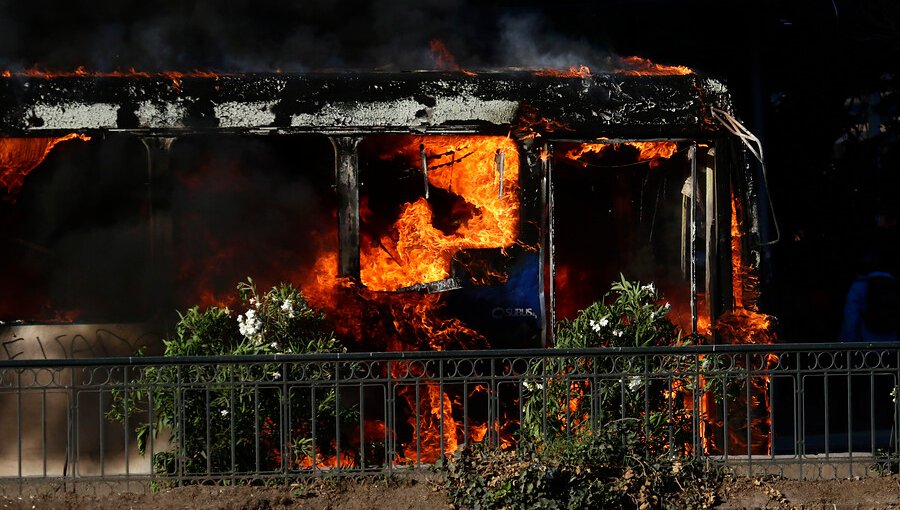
<point x="801" y="410"/>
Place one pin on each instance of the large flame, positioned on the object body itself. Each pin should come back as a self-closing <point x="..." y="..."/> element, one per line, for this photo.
<point x="415" y="251"/>
<point x="749" y="412"/>
<point x="482" y="174"/>
<point x="19" y="156"/>
<point x="434" y="428"/>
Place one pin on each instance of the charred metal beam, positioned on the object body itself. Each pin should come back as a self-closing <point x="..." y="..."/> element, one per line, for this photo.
<point x="500" y="162"/>
<point x="720" y="296"/>
<point x="346" y="168"/>
<point x="605" y="105"/>
<point x="551" y="241"/>
<point x="159" y="190"/>
<point x="710" y="288"/>
<point x="692" y="236"/>
<point x="424" y="168"/>
<point x="539" y="171"/>
<point x="439" y="286"/>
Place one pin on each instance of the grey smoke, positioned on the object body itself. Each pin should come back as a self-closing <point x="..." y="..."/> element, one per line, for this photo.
<point x="254" y="36"/>
<point x="526" y="42"/>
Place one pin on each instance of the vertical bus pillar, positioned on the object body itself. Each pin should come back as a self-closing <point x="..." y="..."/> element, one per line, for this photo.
<point x="719" y="290"/>
<point x="159" y="191"/>
<point x="346" y="169"/>
<point x="534" y="218"/>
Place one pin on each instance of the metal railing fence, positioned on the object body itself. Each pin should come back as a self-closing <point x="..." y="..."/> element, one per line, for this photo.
<point x="799" y="410"/>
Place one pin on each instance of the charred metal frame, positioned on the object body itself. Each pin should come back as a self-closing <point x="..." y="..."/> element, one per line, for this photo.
<point x="609" y="104"/>
<point x="160" y="185"/>
<point x="537" y="109"/>
<point x="856" y="436"/>
<point x="692" y="251"/>
<point x="346" y="163"/>
<point x="551" y="248"/>
<point x="719" y="233"/>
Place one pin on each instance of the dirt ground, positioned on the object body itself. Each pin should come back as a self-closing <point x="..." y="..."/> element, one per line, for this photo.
<point x="867" y="493"/>
<point x="424" y="492"/>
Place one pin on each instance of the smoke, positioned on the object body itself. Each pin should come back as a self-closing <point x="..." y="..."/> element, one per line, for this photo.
<point x="252" y="36"/>
<point x="525" y="41"/>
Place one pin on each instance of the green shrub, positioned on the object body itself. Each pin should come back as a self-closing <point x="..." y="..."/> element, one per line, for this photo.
<point x="601" y="431"/>
<point x="564" y="396"/>
<point x="629" y="315"/>
<point x="227" y="418"/>
<point x="607" y="469"/>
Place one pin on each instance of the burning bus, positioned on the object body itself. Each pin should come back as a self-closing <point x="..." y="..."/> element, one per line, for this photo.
<point x="420" y="211"/>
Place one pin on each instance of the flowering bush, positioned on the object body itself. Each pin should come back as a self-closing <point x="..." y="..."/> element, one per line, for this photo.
<point x="629" y="315"/>
<point x="598" y="431"/>
<point x="225" y="418"/>
<point x="277" y="322"/>
<point x="565" y="396"/>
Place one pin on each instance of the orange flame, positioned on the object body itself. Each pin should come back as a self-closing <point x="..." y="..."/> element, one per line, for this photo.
<point x="415" y="251"/>
<point x="81" y="71"/>
<point x="529" y="121"/>
<point x="435" y="410"/>
<point x="637" y="66"/>
<point x="742" y="325"/>
<point x="444" y="59"/>
<point x="19" y="156"/>
<point x="478" y="432"/>
<point x="412" y="251"/>
<point x="581" y="71"/>
<point x="647" y="151"/>
<point x="320" y="461"/>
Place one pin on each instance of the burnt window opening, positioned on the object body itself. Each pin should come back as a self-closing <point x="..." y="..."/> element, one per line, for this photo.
<point x="456" y="237"/>
<point x="262" y="207"/>
<point x="99" y="234"/>
<point x="437" y="212"/>
<point x="622" y="208"/>
<point x="76" y="239"/>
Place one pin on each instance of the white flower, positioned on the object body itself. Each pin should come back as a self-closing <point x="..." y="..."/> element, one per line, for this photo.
<point x="618" y="333"/>
<point x="224" y="412"/>
<point x="273" y="345"/>
<point x="276" y="375"/>
<point x="254" y="302"/>
<point x="634" y="383"/>
<point x="249" y="324"/>
<point x="598" y="326"/>
<point x="649" y="287"/>
<point x="667" y="306"/>
<point x="288" y="306"/>
<point x="532" y="385"/>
